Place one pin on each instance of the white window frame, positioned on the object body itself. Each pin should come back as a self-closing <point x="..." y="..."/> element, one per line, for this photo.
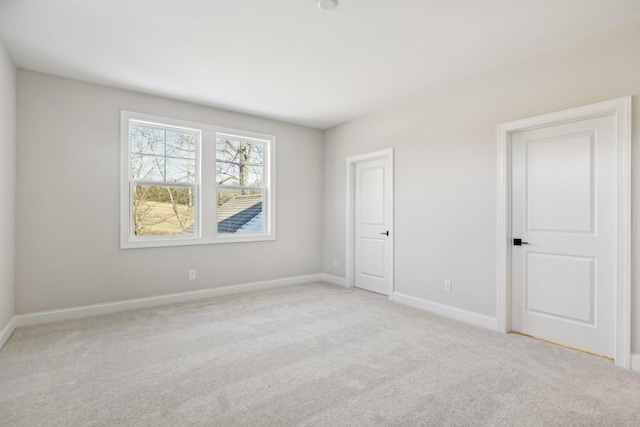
<point x="206" y="189"/>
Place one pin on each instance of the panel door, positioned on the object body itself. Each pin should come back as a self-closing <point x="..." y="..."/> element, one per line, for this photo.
<point x="372" y="223"/>
<point x="564" y="207"/>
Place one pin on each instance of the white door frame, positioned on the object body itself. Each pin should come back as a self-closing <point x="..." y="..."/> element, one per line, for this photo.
<point x="621" y="109"/>
<point x="351" y="181"/>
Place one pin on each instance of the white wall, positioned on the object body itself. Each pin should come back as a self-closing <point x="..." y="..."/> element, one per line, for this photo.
<point x="7" y="186"/>
<point x="68" y="202"/>
<point x="446" y="166"/>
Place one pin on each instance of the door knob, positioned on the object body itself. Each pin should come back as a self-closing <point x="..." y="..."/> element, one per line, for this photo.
<point x="519" y="242"/>
<point x="386" y="232"/>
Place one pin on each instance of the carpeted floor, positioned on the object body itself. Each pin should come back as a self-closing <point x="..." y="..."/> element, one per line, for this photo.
<point x="306" y="355"/>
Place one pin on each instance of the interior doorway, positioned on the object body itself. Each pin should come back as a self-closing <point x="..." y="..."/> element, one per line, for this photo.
<point x="370" y="234"/>
<point x="564" y="228"/>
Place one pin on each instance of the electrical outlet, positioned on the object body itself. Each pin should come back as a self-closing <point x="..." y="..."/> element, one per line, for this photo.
<point x="447" y="286"/>
<point x="192" y="275"/>
<point x="335" y="262"/>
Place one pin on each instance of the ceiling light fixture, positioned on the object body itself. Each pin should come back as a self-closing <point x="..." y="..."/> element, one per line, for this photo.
<point x="327" y="4"/>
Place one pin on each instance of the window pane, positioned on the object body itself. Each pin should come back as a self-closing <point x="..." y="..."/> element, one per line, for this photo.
<point x="227" y="173"/>
<point x="240" y="212"/>
<point x="147" y="168"/>
<point x="254" y="152"/>
<point x="181" y="144"/>
<point x="227" y="149"/>
<point x="181" y="170"/>
<point x="254" y="176"/>
<point x="232" y="174"/>
<point x="147" y="140"/>
<point x="163" y="211"/>
<point x="239" y="163"/>
<point x="240" y="152"/>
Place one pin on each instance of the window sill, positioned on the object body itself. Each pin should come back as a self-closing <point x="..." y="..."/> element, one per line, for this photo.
<point x="191" y="241"/>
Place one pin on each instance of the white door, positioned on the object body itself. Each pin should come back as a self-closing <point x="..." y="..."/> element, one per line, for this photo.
<point x="564" y="211"/>
<point x="372" y="215"/>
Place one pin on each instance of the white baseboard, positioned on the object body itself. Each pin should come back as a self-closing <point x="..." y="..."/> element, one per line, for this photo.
<point x="477" y="319"/>
<point x="340" y="281"/>
<point x="133" y="304"/>
<point x="635" y="362"/>
<point x="5" y="334"/>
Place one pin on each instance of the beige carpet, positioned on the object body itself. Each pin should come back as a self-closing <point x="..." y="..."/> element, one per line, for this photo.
<point x="306" y="355"/>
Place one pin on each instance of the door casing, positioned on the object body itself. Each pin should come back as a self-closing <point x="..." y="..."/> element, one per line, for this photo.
<point x="350" y="226"/>
<point x="621" y="109"/>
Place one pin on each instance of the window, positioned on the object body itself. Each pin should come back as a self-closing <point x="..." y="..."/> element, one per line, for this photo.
<point x="240" y="178"/>
<point x="163" y="180"/>
<point x="187" y="183"/>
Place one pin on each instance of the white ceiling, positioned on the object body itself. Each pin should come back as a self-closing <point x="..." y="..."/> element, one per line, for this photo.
<point x="286" y="59"/>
